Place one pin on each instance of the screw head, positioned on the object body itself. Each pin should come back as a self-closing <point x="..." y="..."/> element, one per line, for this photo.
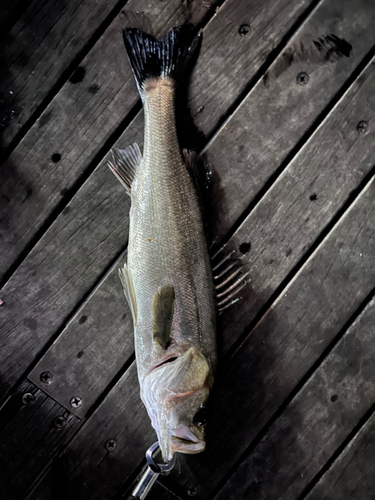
<point x="111" y="444"/>
<point x="76" y="402"/>
<point x="302" y="78"/>
<point x="28" y="398"/>
<point x="192" y="490"/>
<point x="362" y="127"/>
<point x="244" y="30"/>
<point x="59" y="422"/>
<point x="46" y="377"/>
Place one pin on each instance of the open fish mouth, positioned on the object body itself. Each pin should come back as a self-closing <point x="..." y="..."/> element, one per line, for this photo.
<point x="185" y="446"/>
<point x="184" y="441"/>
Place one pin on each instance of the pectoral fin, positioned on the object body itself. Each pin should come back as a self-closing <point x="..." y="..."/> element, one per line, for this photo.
<point x="128" y="291"/>
<point x="162" y="315"/>
<point x="125" y="163"/>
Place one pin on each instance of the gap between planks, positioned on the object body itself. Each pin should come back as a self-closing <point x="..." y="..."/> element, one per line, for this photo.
<point x="338" y="453"/>
<point x="279" y="292"/>
<point x="345" y="88"/>
<point x="293" y="393"/>
<point x="56" y="87"/>
<point x="300" y="144"/>
<point x="109" y="143"/>
<point x="297" y="389"/>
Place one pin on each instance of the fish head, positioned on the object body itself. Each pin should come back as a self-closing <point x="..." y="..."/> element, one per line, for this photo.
<point x="174" y="393"/>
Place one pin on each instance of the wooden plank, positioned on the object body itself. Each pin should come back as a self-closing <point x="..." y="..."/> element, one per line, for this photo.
<point x="63" y="269"/>
<point x="39" y="50"/>
<point x="260" y="136"/>
<point x="33" y="428"/>
<point x="330" y="170"/>
<point x="92" y="349"/>
<point x="53" y="486"/>
<point x="277" y="354"/>
<point x="315" y="423"/>
<point x="11" y="11"/>
<point x="352" y="476"/>
<point x="84" y="117"/>
<point x="287" y="341"/>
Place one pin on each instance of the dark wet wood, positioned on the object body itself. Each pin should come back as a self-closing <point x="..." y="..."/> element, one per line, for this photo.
<point x="103" y="198"/>
<point x="240" y="166"/>
<point x="287" y="341"/>
<point x="82" y="118"/>
<point x="261" y="374"/>
<point x="11" y="11"/>
<point x="316" y="422"/>
<point x="301" y="213"/>
<point x="33" y="429"/>
<point x="39" y="50"/>
<point x="352" y="476"/>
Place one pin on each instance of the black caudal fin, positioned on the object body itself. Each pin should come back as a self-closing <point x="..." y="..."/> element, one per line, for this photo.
<point x="151" y="58"/>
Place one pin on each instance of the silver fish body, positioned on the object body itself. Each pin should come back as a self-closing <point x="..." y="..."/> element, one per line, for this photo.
<point x="168" y="251"/>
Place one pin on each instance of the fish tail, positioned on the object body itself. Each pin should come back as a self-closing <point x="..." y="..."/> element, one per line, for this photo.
<point x="151" y="58"/>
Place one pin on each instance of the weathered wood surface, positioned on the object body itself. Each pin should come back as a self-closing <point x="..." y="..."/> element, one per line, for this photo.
<point x="352" y="476"/>
<point x="277" y="211"/>
<point x="279" y="113"/>
<point x="58" y="274"/>
<point x="280" y="350"/>
<point x="33" y="428"/>
<point x="11" y="11"/>
<point x="315" y="423"/>
<point x="288" y="224"/>
<point x="38" y="51"/>
<point x="286" y="342"/>
<point x="52" y="486"/>
<point x="85" y="118"/>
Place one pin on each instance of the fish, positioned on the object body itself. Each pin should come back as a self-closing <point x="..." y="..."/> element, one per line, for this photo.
<point x="168" y="279"/>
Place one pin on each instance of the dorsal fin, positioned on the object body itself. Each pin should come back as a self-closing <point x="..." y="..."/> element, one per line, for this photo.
<point x="128" y="290"/>
<point x="124" y="164"/>
<point x="198" y="170"/>
<point x="162" y="315"/>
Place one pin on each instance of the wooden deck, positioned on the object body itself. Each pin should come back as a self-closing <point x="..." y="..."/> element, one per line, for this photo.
<point x="282" y="103"/>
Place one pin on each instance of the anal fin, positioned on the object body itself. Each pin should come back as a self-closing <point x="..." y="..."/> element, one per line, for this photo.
<point x="128" y="291"/>
<point x="162" y="315"/>
<point x="124" y="164"/>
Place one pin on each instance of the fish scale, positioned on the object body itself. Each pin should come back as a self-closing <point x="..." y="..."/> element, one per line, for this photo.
<point x="168" y="278"/>
<point x="165" y="210"/>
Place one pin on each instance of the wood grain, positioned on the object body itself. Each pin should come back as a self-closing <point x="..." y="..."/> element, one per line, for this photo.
<point x="254" y="382"/>
<point x="259" y="137"/>
<point x="314" y="424"/>
<point x="352" y="476"/>
<point x="29" y="437"/>
<point x="54" y="259"/>
<point x="40" y="47"/>
<point x="284" y="224"/>
<point x="85" y="116"/>
<point x="287" y="341"/>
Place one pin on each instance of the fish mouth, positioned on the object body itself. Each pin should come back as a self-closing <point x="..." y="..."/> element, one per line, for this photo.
<point x="184" y="441"/>
<point x="185" y="446"/>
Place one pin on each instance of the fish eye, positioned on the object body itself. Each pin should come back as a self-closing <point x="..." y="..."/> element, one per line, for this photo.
<point x="200" y="418"/>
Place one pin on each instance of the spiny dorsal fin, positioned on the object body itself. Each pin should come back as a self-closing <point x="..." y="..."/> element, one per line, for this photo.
<point x="229" y="278"/>
<point x="162" y="315"/>
<point x="124" y="164"/>
<point x="128" y="291"/>
<point x="197" y="168"/>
